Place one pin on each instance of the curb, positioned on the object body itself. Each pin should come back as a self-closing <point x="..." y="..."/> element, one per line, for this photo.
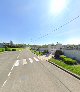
<point x="74" y="75"/>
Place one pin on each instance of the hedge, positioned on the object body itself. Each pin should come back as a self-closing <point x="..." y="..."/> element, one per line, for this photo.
<point x="68" y="60"/>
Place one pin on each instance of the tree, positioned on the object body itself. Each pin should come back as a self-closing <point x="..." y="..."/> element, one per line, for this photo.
<point x="58" y="53"/>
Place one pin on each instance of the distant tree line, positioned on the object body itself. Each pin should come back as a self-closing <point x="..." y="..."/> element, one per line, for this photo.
<point x="12" y="45"/>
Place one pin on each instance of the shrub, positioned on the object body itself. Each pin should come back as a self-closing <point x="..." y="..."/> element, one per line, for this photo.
<point x="45" y="52"/>
<point x="7" y="49"/>
<point x="69" y="61"/>
<point x="62" y="57"/>
<point x="13" y="49"/>
<point x="3" y="50"/>
<point x="58" y="53"/>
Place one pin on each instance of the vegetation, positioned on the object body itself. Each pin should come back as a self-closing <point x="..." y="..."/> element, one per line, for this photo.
<point x="62" y="57"/>
<point x="45" y="52"/>
<point x="38" y="52"/>
<point x="2" y="49"/>
<point x="7" y="49"/>
<point x="68" y="60"/>
<point x="17" y="49"/>
<point x="73" y="68"/>
<point x="10" y="49"/>
<point x="58" y="53"/>
<point x="13" y="49"/>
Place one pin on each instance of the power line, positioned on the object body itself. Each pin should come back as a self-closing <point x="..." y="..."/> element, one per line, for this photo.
<point x="58" y="28"/>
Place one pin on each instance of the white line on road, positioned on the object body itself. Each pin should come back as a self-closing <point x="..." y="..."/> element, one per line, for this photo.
<point x="24" y="61"/>
<point x="12" y="68"/>
<point x="31" y="60"/>
<point x="17" y="56"/>
<point x="35" y="58"/>
<point x="4" y="83"/>
<point x="9" y="74"/>
<point x="17" y="63"/>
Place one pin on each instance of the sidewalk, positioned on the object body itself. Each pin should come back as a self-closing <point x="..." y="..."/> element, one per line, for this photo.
<point x="44" y="57"/>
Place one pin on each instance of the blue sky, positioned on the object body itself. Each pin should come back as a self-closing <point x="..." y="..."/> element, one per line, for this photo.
<point x="26" y="21"/>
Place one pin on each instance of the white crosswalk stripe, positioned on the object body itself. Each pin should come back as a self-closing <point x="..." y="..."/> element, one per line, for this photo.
<point x="35" y="58"/>
<point x="24" y="61"/>
<point x="30" y="60"/>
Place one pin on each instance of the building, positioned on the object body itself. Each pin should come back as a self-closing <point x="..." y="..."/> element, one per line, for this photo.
<point x="43" y="49"/>
<point x="1" y="45"/>
<point x="52" y="48"/>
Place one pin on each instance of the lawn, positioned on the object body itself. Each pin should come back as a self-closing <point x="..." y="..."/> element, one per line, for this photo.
<point x="2" y="50"/>
<point x="10" y="49"/>
<point x="73" y="68"/>
<point x="17" y="49"/>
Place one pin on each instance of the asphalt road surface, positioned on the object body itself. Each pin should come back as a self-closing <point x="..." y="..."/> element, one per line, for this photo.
<point x="22" y="71"/>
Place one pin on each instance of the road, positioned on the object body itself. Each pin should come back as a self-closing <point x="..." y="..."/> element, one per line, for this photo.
<point x="22" y="71"/>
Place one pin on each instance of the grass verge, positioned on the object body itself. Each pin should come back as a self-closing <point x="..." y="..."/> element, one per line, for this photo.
<point x="10" y="49"/>
<point x="17" y="49"/>
<point x="36" y="52"/>
<point x="72" y="68"/>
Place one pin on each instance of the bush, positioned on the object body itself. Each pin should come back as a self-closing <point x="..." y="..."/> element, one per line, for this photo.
<point x="3" y="50"/>
<point x="13" y="49"/>
<point x="58" y="53"/>
<point x="62" y="57"/>
<point x="69" y="61"/>
<point x="7" y="49"/>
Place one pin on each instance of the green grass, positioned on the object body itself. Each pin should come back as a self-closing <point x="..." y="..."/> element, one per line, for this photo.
<point x="2" y="50"/>
<point x="73" y="68"/>
<point x="36" y="52"/>
<point x="17" y="49"/>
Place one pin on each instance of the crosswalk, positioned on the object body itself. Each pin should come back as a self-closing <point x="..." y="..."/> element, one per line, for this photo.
<point x="25" y="61"/>
<point x="36" y="59"/>
<point x="30" y="60"/>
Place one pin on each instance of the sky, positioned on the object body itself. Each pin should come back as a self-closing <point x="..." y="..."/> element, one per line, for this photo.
<point x="28" y="21"/>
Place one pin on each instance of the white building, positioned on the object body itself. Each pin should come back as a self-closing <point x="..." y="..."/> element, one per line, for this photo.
<point x="42" y="49"/>
<point x="52" y="48"/>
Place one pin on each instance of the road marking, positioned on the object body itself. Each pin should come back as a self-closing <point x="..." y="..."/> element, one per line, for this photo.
<point x="31" y="60"/>
<point x="4" y="83"/>
<point x="12" y="68"/>
<point x="35" y="58"/>
<point x="17" y="63"/>
<point x="24" y="61"/>
<point x="17" y="56"/>
<point x="9" y="74"/>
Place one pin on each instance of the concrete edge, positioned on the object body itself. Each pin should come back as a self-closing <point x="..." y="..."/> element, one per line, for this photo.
<point x="74" y="75"/>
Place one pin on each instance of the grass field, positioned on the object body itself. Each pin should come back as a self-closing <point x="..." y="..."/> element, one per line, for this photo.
<point x="73" y="68"/>
<point x="17" y="49"/>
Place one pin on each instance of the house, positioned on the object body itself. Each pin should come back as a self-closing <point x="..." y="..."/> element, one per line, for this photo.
<point x="52" y="48"/>
<point x="1" y="45"/>
<point x="43" y="49"/>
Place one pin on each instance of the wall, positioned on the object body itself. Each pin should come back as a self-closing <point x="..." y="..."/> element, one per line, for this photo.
<point x="73" y="54"/>
<point x="42" y="49"/>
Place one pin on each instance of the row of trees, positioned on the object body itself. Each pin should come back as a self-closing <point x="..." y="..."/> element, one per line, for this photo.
<point x="12" y="45"/>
